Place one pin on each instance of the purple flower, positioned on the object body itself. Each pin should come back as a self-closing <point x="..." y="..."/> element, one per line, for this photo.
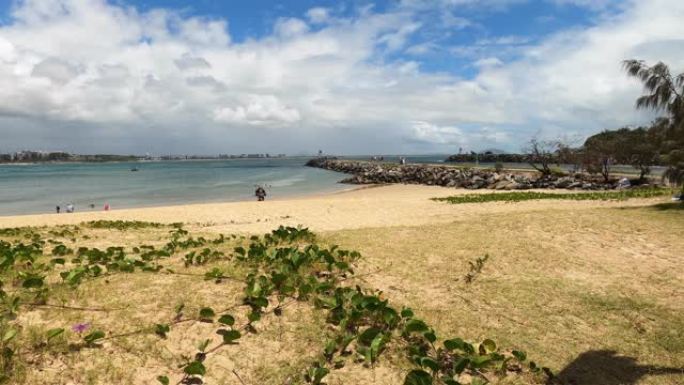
<point x="80" y="328"/>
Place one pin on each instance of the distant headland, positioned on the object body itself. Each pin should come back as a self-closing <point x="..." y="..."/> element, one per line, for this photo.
<point x="30" y="156"/>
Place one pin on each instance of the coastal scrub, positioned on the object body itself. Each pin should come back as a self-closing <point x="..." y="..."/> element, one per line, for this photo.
<point x="517" y="196"/>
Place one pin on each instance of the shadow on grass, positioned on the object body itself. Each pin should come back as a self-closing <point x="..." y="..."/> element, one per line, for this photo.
<point x="606" y="367"/>
<point x="669" y="206"/>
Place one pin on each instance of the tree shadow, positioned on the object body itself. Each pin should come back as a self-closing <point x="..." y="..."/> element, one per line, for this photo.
<point x="606" y="367"/>
<point x="669" y="206"/>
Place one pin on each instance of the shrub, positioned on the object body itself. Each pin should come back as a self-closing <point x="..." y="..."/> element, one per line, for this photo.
<point x="558" y="172"/>
<point x="516" y="196"/>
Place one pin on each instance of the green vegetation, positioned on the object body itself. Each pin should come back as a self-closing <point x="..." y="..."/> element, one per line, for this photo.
<point x="280" y="268"/>
<point x="124" y="225"/>
<point x="516" y="196"/>
<point x="664" y="92"/>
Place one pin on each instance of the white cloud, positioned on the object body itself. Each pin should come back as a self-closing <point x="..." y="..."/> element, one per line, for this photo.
<point x="591" y="4"/>
<point x="291" y="27"/>
<point x="159" y="80"/>
<point x="489" y="62"/>
<point x="504" y="40"/>
<point x="574" y="79"/>
<point x="396" y="39"/>
<point x="188" y="61"/>
<point x="318" y="15"/>
<point x="58" y="71"/>
<point x="492" y="4"/>
<point x="262" y="110"/>
<point x="422" y="48"/>
<point x="434" y="134"/>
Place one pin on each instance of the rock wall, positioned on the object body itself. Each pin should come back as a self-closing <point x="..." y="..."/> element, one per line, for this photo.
<point x="379" y="173"/>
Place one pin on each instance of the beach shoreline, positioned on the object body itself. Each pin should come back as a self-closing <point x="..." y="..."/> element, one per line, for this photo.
<point x="356" y="207"/>
<point x="295" y="196"/>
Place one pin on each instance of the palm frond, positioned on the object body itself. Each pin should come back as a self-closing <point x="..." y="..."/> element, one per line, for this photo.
<point x="679" y="82"/>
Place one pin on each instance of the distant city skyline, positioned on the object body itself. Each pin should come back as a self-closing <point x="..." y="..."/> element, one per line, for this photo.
<point x="349" y="77"/>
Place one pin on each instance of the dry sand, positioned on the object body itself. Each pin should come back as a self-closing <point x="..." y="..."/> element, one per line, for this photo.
<point x="377" y="206"/>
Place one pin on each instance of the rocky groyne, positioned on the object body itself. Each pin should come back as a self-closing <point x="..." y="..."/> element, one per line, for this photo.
<point x="364" y="172"/>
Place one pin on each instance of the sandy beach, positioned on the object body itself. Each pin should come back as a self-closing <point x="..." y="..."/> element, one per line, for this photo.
<point x="375" y="206"/>
<point x="602" y="274"/>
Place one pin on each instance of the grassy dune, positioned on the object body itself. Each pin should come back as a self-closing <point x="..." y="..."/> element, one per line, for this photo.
<point x="594" y="294"/>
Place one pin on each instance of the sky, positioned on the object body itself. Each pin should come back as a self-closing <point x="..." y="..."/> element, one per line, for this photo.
<point x="346" y="77"/>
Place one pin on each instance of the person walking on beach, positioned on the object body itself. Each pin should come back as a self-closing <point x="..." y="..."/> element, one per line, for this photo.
<point x="70" y="208"/>
<point x="57" y="209"/>
<point x="260" y="194"/>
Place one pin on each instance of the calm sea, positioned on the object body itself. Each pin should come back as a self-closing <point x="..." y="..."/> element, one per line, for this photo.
<point x="38" y="188"/>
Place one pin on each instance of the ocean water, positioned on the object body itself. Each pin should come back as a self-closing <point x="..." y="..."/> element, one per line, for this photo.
<point x="38" y="188"/>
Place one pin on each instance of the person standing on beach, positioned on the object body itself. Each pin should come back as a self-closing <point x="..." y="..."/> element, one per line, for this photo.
<point x="57" y="209"/>
<point x="70" y="208"/>
<point x="260" y="194"/>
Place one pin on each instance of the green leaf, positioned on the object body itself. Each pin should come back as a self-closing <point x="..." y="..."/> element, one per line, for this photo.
<point x="376" y="346"/>
<point x="9" y="335"/>
<point x="368" y="335"/>
<point x="207" y="314"/>
<point x="406" y="313"/>
<point x="418" y="377"/>
<point x="489" y="346"/>
<point x="161" y="329"/>
<point x="94" y="336"/>
<point x="163" y="380"/>
<point x="480" y="361"/>
<point x="428" y="362"/>
<point x="229" y="336"/>
<point x="195" y="368"/>
<point x="317" y="373"/>
<point x="330" y="349"/>
<point x="454" y="344"/>
<point x="533" y="367"/>
<point x="260" y="301"/>
<point x="521" y="356"/>
<point x="430" y="336"/>
<point x="460" y="365"/>
<point x="52" y="333"/>
<point x="227" y="319"/>
<point x="32" y="282"/>
<point x="478" y="381"/>
<point x="415" y="325"/>
<point x="253" y="316"/>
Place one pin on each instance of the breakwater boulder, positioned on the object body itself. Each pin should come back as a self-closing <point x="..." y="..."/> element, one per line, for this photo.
<point x="366" y="172"/>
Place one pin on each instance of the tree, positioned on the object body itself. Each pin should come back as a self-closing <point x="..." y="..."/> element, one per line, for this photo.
<point x="569" y="153"/>
<point x="541" y="154"/>
<point x="600" y="153"/>
<point x="664" y="93"/>
<point x="637" y="149"/>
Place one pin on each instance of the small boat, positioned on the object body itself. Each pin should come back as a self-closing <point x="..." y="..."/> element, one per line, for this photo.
<point x="134" y="169"/>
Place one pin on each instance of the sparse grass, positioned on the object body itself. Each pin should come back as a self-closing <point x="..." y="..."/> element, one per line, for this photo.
<point x="516" y="196"/>
<point x="560" y="283"/>
<point x="125" y="225"/>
